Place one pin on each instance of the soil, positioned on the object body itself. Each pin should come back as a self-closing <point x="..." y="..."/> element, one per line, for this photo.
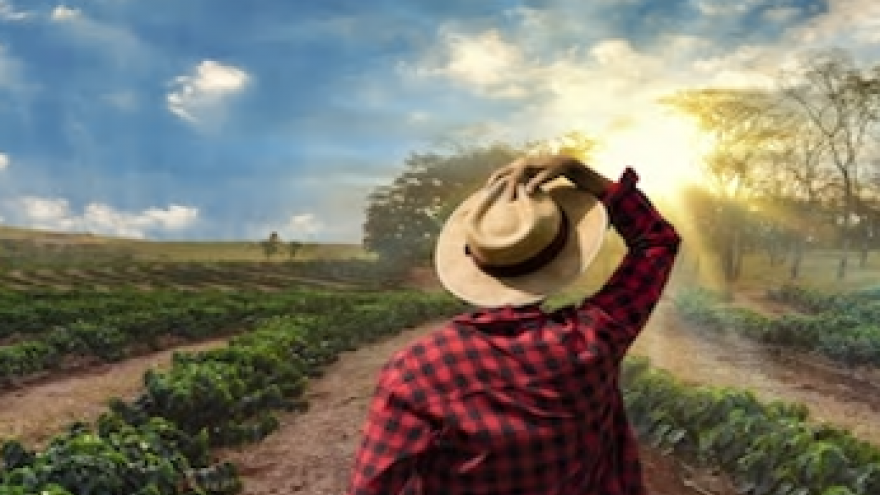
<point x="833" y="394"/>
<point x="37" y="412"/>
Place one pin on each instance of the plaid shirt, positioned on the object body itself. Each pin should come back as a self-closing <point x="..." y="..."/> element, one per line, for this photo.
<point x="520" y="400"/>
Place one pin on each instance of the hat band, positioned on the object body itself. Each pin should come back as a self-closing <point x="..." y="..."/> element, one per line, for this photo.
<point x="530" y="265"/>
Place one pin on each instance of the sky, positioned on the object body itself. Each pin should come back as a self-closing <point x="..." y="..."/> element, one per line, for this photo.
<point x="227" y="120"/>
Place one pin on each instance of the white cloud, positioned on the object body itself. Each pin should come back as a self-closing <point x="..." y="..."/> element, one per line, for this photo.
<point x="304" y="224"/>
<point x="201" y="95"/>
<point x="849" y="23"/>
<point x="721" y="7"/>
<point x="853" y="25"/>
<point x="57" y="214"/>
<point x="296" y="227"/>
<point x="588" y="87"/>
<point x="45" y="209"/>
<point x="63" y="13"/>
<point x="619" y="58"/>
<point x="4" y="161"/>
<point x="418" y="117"/>
<point x="484" y="61"/>
<point x="600" y="80"/>
<point x="594" y="85"/>
<point x="9" y="13"/>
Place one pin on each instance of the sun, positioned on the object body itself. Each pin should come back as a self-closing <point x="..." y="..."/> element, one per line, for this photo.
<point x="664" y="150"/>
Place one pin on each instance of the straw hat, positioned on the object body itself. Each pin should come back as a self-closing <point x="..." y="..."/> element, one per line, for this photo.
<point x="493" y="252"/>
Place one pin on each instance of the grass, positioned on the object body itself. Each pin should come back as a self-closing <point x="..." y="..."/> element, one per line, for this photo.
<point x="818" y="270"/>
<point x="235" y="251"/>
<point x="28" y="246"/>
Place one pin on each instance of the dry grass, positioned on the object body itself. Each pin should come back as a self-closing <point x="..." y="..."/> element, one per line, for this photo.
<point x="236" y="251"/>
<point x="141" y="250"/>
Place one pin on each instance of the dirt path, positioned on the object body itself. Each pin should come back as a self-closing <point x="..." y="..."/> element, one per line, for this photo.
<point x="311" y="454"/>
<point x="832" y="394"/>
<point x="36" y="412"/>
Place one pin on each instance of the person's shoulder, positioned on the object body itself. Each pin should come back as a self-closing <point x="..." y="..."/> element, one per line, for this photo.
<point x="408" y="361"/>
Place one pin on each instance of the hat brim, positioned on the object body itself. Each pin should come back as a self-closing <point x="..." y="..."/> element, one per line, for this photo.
<point x="460" y="275"/>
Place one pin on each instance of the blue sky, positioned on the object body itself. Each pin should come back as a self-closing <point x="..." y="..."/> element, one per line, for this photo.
<point x="223" y="119"/>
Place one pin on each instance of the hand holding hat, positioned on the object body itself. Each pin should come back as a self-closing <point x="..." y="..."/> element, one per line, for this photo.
<point x="525" y="235"/>
<point x="534" y="170"/>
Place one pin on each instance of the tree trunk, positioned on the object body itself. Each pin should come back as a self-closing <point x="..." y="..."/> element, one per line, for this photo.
<point x="738" y="249"/>
<point x="797" y="257"/>
<point x="727" y="262"/>
<point x="844" y="258"/>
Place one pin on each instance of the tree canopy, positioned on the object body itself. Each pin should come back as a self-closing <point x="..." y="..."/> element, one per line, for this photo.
<point x="404" y="218"/>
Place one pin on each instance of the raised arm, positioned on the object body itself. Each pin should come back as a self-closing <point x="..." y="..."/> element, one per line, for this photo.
<point x="627" y="299"/>
<point x="635" y="287"/>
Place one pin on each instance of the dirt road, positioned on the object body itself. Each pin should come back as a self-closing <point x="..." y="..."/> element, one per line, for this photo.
<point x="832" y="394"/>
<point x="36" y="412"/>
<point x="312" y="453"/>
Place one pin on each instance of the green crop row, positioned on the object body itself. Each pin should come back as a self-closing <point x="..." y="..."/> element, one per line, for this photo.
<point x="23" y="313"/>
<point x="114" y="336"/>
<point x="160" y="443"/>
<point x="844" y="337"/>
<point x="359" y="272"/>
<point x="861" y="305"/>
<point x="766" y="448"/>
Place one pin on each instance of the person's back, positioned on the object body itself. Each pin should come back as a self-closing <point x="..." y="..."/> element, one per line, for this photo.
<point x="511" y="399"/>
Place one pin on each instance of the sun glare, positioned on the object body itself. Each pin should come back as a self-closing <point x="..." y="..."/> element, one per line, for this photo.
<point x="665" y="151"/>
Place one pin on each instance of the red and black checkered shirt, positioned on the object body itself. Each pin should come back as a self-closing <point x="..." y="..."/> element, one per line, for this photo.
<point x="518" y="400"/>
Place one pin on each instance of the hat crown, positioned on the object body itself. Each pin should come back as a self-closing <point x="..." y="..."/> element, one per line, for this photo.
<point x="499" y="232"/>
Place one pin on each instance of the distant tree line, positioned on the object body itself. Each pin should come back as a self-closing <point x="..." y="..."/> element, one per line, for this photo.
<point x="793" y="164"/>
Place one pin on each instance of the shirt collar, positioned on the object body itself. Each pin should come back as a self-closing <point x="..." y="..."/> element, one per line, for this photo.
<point x="500" y="314"/>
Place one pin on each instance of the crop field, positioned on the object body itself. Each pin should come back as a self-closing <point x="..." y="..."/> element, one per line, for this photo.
<point x="161" y="440"/>
<point x="203" y="422"/>
<point x="226" y="275"/>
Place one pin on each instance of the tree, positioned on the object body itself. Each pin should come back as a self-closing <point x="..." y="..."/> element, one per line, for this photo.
<point x="293" y="247"/>
<point x="792" y="190"/>
<point x="404" y="218"/>
<point x="745" y="125"/>
<point x="842" y="102"/>
<point x="271" y="246"/>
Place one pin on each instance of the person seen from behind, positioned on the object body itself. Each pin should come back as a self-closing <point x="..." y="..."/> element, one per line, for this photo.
<point x="511" y="398"/>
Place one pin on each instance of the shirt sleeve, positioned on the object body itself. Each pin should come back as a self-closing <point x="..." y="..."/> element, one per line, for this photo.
<point x="395" y="437"/>
<point x="633" y="290"/>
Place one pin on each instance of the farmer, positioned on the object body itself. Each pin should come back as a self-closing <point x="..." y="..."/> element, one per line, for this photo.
<point x="512" y="398"/>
